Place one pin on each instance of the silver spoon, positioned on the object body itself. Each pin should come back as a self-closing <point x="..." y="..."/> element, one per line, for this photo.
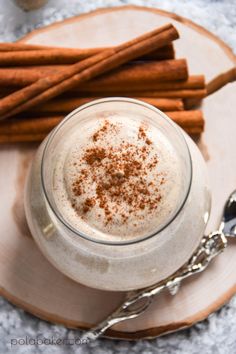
<point x="228" y="223"/>
<point x="139" y="300"/>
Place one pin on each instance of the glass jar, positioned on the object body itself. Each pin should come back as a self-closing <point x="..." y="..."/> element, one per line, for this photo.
<point x="118" y="264"/>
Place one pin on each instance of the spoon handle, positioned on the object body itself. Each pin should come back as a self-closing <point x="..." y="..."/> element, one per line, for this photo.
<point x="139" y="300"/>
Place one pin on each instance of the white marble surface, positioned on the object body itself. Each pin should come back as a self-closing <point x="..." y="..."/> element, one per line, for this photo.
<point x="217" y="334"/>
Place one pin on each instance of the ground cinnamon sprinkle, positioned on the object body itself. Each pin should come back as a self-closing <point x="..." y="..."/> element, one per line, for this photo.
<point x="119" y="176"/>
<point x="94" y="155"/>
<point x="88" y="204"/>
<point x="102" y="131"/>
<point x="142" y="133"/>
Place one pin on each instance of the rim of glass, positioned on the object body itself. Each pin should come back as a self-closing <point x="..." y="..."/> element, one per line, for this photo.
<point x="60" y="126"/>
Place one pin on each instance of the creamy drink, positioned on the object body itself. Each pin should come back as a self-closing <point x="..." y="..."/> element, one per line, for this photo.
<point x="117" y="195"/>
<point x="117" y="178"/>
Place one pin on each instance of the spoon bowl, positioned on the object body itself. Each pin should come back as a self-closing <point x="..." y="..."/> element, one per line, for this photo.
<point x="228" y="223"/>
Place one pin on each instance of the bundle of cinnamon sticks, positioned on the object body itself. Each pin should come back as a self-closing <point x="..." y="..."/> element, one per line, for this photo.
<point x="40" y="85"/>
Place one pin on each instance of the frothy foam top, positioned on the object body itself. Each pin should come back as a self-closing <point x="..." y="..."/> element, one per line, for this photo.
<point x="117" y="178"/>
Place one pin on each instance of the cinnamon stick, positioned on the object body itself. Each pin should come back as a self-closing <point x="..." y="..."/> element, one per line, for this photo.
<point x="66" y="105"/>
<point x="21" y="138"/>
<point x="190" y="121"/>
<point x="151" y="79"/>
<point x="55" y="84"/>
<point x="22" y="76"/>
<point x="164" y="104"/>
<point x="136" y="76"/>
<point x="46" y="56"/>
<point x="221" y="80"/>
<point x="181" y="94"/>
<point x="177" y="93"/>
<point x="18" y="54"/>
<point x="29" y="125"/>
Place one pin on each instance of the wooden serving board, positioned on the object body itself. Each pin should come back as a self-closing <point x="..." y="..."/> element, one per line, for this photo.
<point x="28" y="280"/>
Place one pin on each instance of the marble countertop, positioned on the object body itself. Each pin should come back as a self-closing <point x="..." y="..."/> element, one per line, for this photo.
<point x="215" y="335"/>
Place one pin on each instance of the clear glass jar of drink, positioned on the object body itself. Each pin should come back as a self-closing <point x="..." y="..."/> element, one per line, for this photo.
<point x="145" y="247"/>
